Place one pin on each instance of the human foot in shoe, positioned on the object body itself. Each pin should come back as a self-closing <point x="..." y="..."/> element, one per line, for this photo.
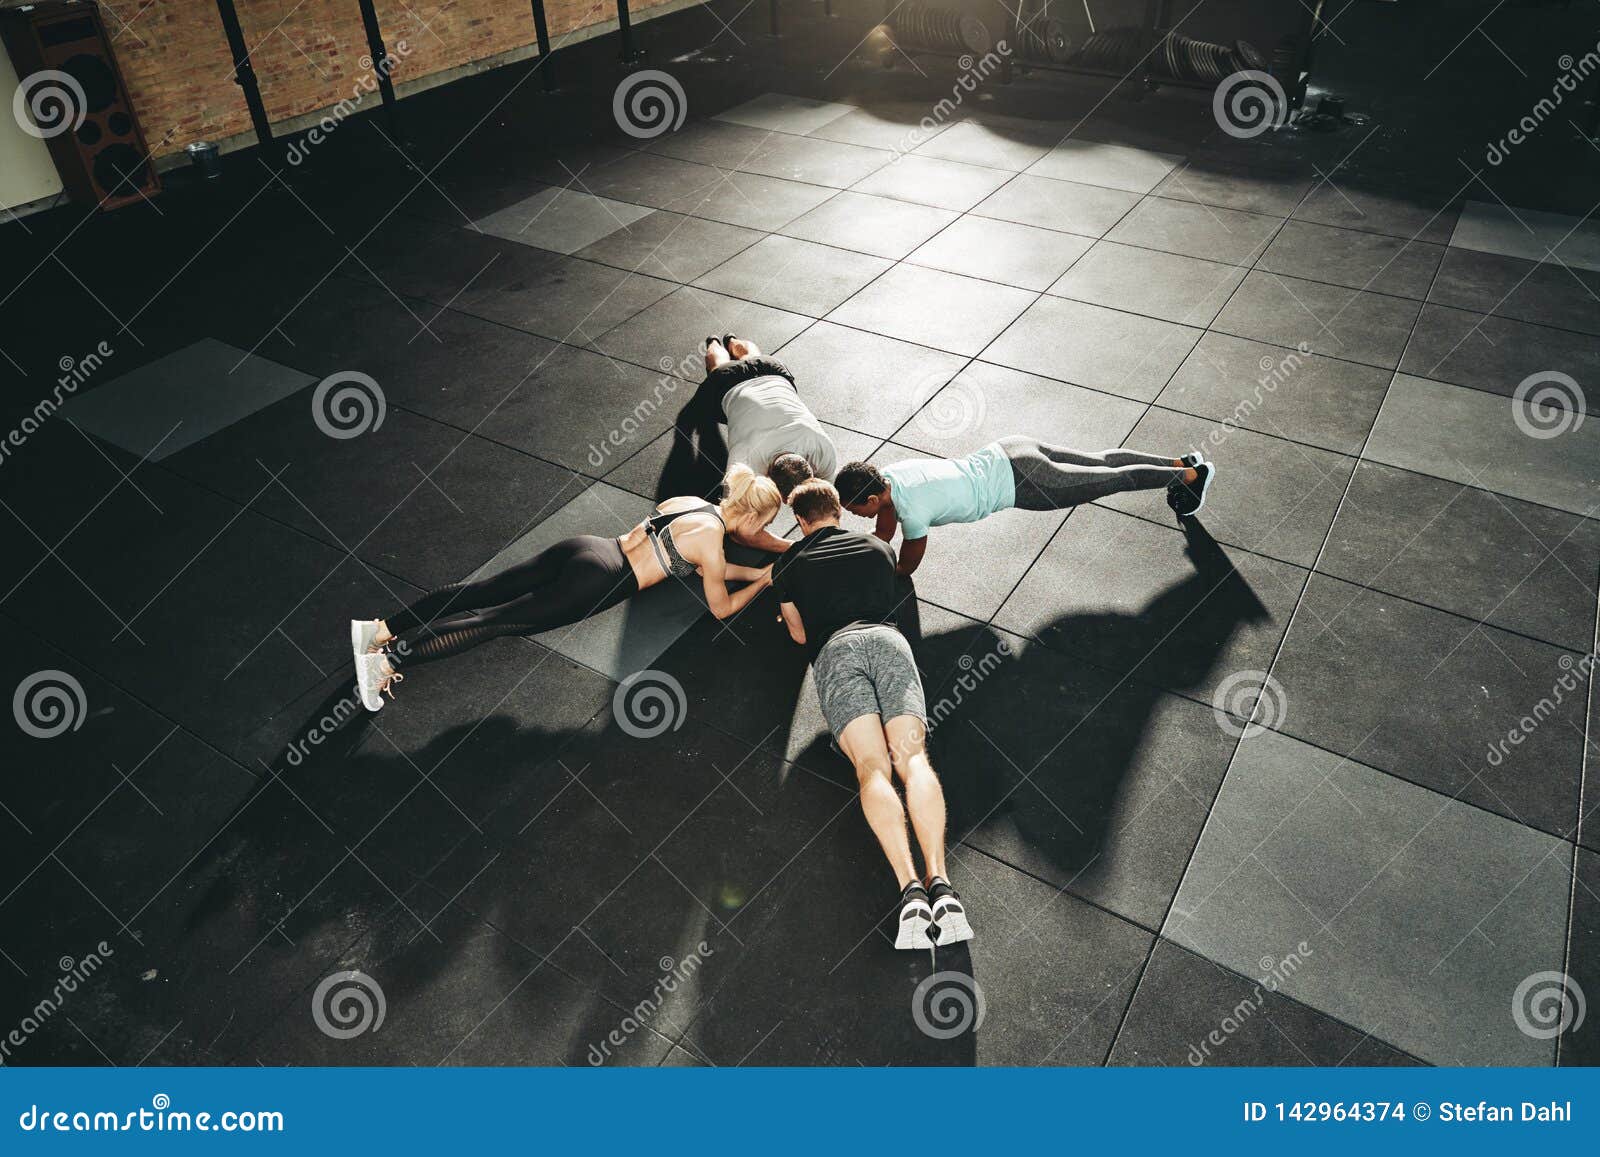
<point x="1187" y="498"/>
<point x="375" y="677"/>
<point x="915" y="916"/>
<point x="949" y="914"/>
<point x="365" y="634"/>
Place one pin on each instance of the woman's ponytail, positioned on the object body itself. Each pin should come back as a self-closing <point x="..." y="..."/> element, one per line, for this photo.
<point x="746" y="493"/>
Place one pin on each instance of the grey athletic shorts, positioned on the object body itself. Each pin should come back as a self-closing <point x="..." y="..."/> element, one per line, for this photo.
<point x="867" y="671"/>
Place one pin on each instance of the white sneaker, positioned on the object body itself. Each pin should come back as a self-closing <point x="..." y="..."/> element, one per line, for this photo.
<point x="915" y="917"/>
<point x="371" y="679"/>
<point x="950" y="923"/>
<point x="363" y="637"/>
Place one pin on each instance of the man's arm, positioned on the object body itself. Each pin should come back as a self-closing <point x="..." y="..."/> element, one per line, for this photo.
<point x="888" y="520"/>
<point x="911" y="552"/>
<point x="791" y="619"/>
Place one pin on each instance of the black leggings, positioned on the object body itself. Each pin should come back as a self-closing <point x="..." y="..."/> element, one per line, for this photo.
<point x="1056" y="477"/>
<point x="565" y="583"/>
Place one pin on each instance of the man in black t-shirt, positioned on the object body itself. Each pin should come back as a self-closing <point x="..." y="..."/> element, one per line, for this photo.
<point x="836" y="594"/>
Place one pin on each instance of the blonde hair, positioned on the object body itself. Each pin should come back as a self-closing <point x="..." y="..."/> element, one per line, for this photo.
<point x="746" y="493"/>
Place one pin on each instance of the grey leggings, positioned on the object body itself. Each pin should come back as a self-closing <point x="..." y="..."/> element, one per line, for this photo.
<point x="1054" y="477"/>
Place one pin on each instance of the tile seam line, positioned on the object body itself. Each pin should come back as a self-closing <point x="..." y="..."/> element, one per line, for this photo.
<point x="1578" y="834"/>
<point x="1038" y="297"/>
<point x="1288" y="626"/>
<point x="1159" y="939"/>
<point x="979" y="357"/>
<point x="1188" y="697"/>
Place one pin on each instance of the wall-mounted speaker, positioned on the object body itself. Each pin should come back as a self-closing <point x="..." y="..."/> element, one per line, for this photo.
<point x="72" y="95"/>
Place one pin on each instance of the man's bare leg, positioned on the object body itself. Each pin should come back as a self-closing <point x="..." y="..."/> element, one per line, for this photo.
<point x="716" y="356"/>
<point x="863" y="744"/>
<point x="908" y="752"/>
<point x="744" y="348"/>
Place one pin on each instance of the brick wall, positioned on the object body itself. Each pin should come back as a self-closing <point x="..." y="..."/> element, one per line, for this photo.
<point x="307" y="53"/>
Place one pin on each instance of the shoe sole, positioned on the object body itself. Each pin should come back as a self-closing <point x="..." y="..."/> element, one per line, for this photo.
<point x="357" y="649"/>
<point x="1205" y="489"/>
<point x="953" y="928"/>
<point x="361" y="692"/>
<point x="913" y="933"/>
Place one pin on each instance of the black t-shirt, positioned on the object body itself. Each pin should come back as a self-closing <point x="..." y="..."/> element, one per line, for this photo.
<point x="837" y="578"/>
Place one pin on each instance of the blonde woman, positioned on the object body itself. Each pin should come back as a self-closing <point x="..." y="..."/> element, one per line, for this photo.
<point x="572" y="580"/>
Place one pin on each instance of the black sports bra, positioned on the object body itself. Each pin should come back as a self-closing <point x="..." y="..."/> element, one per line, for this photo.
<point x="658" y="529"/>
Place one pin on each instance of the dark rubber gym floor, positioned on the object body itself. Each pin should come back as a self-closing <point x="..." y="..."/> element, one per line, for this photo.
<point x="1310" y="780"/>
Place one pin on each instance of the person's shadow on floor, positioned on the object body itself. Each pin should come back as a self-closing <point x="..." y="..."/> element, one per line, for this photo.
<point x="1034" y="742"/>
<point x="698" y="456"/>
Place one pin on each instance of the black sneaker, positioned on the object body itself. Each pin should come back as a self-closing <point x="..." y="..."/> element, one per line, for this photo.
<point x="1193" y="459"/>
<point x="915" y="916"/>
<point x="1187" y="498"/>
<point x="949" y="915"/>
